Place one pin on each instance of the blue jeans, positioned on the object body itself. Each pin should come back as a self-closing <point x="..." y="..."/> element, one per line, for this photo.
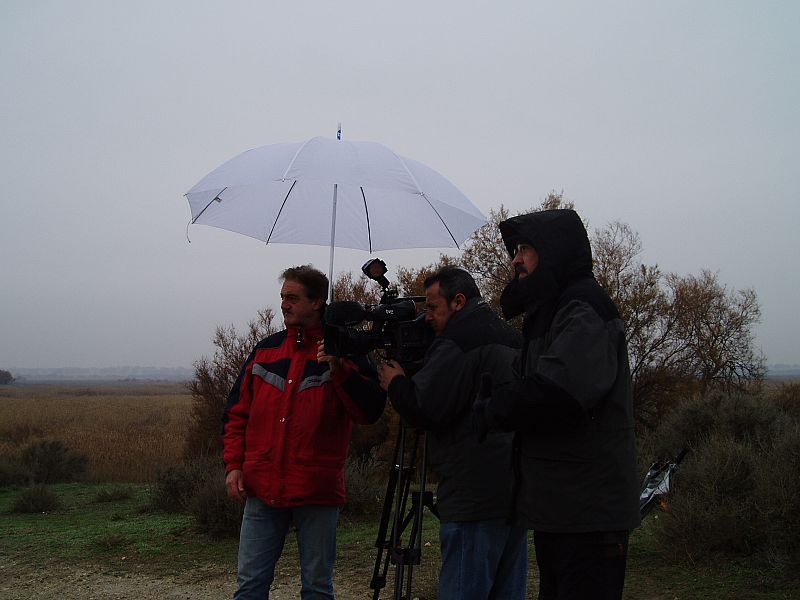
<point x="483" y="560"/>
<point x="261" y="543"/>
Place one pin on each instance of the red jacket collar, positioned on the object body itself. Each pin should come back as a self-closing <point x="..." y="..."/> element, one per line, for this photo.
<point x="308" y="335"/>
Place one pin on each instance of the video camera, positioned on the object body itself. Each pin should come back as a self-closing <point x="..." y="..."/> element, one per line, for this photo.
<point x="396" y="326"/>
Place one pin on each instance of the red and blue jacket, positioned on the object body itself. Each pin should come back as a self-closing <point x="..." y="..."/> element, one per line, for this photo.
<point x="288" y="419"/>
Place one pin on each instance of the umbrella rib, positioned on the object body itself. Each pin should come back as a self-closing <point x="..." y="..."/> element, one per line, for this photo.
<point x="209" y="204"/>
<point x="366" y="211"/>
<point x="291" y="162"/>
<point x="452" y="237"/>
<point x="421" y="193"/>
<point x="278" y="216"/>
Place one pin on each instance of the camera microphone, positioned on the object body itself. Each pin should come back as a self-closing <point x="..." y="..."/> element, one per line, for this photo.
<point x="345" y="313"/>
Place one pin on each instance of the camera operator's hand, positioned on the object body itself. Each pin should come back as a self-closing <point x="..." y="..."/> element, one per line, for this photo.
<point x="333" y="361"/>
<point x="388" y="371"/>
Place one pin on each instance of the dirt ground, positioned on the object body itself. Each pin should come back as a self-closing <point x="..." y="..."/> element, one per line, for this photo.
<point x="23" y="582"/>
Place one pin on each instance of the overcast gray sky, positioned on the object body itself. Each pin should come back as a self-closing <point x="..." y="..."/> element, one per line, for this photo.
<point x="679" y="118"/>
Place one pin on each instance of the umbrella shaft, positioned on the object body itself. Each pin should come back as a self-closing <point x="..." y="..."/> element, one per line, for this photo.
<point x="333" y="243"/>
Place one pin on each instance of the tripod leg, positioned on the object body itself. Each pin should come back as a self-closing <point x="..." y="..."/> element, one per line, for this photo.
<point x="398" y="493"/>
<point x="382" y="542"/>
<point x="398" y="552"/>
<point x="418" y="506"/>
<point x="392" y="525"/>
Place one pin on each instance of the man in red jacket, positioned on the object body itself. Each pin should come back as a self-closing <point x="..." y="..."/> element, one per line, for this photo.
<point x="287" y="427"/>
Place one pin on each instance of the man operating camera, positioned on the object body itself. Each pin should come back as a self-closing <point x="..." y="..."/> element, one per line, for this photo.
<point x="483" y="557"/>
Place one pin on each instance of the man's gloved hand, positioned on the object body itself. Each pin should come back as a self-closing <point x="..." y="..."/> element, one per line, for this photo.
<point x="480" y="422"/>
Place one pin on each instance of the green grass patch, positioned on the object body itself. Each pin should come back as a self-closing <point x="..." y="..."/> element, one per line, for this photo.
<point x="123" y="533"/>
<point x="87" y="530"/>
<point x="114" y="493"/>
<point x="650" y="577"/>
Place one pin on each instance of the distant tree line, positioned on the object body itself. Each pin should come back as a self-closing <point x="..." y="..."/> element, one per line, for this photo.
<point x="5" y="377"/>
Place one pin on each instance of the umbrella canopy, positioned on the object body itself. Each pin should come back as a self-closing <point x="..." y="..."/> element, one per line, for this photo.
<point x="331" y="192"/>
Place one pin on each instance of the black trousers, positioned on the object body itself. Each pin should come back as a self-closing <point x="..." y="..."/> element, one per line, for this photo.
<point x="581" y="566"/>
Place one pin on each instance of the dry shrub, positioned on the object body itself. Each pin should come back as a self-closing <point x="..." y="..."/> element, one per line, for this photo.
<point x="176" y="485"/>
<point x="693" y="422"/>
<point x="36" y="499"/>
<point x="12" y="471"/>
<point x="213" y="379"/>
<point x="17" y="434"/>
<point x="52" y="461"/>
<point x="367" y="441"/>
<point x="214" y="513"/>
<point x="712" y="507"/>
<point x="113" y="494"/>
<point x="197" y="487"/>
<point x="127" y="431"/>
<point x="737" y="493"/>
<point x="786" y="397"/>
<point x="366" y="487"/>
<point x="778" y="496"/>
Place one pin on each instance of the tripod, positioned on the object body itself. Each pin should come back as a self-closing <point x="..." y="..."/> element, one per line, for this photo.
<point x="397" y="515"/>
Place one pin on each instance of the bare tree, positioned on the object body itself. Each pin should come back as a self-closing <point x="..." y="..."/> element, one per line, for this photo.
<point x="5" y="377"/>
<point x="651" y="327"/>
<point x="358" y="289"/>
<point x="717" y="324"/>
<point x="213" y="380"/>
<point x="411" y="282"/>
<point x="486" y="257"/>
<point x="686" y="334"/>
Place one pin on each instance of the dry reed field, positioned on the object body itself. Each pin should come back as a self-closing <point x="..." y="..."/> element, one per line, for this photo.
<point x="127" y="430"/>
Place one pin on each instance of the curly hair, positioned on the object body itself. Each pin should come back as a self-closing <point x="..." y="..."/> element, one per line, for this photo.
<point x="315" y="282"/>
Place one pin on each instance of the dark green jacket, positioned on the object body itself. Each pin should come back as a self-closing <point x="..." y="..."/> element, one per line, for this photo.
<point x="571" y="405"/>
<point x="475" y="479"/>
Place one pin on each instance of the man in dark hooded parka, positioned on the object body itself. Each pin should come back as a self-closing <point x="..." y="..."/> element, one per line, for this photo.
<point x="571" y="408"/>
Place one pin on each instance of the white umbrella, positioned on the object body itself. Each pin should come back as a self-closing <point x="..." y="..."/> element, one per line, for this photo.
<point x="337" y="193"/>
